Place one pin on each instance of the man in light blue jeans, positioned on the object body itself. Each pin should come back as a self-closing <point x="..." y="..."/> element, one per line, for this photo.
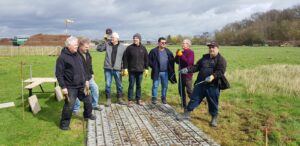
<point x="161" y="60"/>
<point x="163" y="78"/>
<point x="116" y="74"/>
<point x="112" y="66"/>
<point x="86" y="58"/>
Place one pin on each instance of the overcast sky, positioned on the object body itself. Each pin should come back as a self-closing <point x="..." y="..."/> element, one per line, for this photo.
<point x="151" y="18"/>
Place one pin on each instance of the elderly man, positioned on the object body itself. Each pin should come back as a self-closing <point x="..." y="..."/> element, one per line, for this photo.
<point x="161" y="60"/>
<point x="113" y="66"/>
<point x="135" y="61"/>
<point x="211" y="67"/>
<point x="84" y="46"/>
<point x="185" y="58"/>
<point x="72" y="79"/>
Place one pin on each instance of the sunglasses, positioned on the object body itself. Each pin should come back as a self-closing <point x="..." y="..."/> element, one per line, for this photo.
<point x="163" y="42"/>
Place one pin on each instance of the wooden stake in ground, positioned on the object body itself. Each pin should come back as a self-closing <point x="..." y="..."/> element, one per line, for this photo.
<point x="22" y="86"/>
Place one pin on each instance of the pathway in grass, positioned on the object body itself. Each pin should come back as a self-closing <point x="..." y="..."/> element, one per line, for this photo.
<point x="143" y="125"/>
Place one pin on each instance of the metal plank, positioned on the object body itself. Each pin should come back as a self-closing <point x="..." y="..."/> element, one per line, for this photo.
<point x="182" y="134"/>
<point x="91" y="133"/>
<point x="135" y="127"/>
<point x="121" y="127"/>
<point x="115" y="134"/>
<point x="158" y="117"/>
<point x="146" y="134"/>
<point x="106" y="127"/>
<point x="208" y="140"/>
<point x="99" y="128"/>
<point x="142" y="114"/>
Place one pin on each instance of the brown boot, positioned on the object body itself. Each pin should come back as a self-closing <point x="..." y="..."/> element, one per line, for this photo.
<point x="120" y="99"/>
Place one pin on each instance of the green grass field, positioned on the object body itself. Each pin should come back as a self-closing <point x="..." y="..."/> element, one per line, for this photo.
<point x="265" y="93"/>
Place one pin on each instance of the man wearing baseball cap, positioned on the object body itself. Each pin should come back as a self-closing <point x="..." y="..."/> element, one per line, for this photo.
<point x="211" y="68"/>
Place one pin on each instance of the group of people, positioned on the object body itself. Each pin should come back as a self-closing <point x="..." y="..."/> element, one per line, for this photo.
<point x="75" y="74"/>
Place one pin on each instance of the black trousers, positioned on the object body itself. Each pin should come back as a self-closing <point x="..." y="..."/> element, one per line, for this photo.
<point x="68" y="106"/>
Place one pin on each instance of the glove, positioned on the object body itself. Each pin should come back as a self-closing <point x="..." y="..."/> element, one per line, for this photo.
<point x="125" y="72"/>
<point x="87" y="84"/>
<point x="64" y="91"/>
<point x="209" y="78"/>
<point x="179" y="53"/>
<point x="184" y="71"/>
<point x="106" y="37"/>
<point x="146" y="73"/>
<point x="87" y="88"/>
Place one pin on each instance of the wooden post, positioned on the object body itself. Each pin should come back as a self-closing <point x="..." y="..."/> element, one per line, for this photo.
<point x="266" y="133"/>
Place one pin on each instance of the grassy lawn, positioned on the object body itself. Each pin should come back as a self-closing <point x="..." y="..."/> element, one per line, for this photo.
<point x="265" y="94"/>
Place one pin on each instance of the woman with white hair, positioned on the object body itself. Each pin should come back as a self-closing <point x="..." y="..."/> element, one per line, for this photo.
<point x="185" y="58"/>
<point x="113" y="66"/>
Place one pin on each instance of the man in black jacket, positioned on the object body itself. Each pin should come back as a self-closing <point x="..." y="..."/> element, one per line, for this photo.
<point x="72" y="79"/>
<point x="135" y="60"/>
<point x="161" y="60"/>
<point x="83" y="50"/>
<point x="211" y="68"/>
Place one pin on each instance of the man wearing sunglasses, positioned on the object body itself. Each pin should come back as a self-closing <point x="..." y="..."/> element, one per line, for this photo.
<point x="161" y="60"/>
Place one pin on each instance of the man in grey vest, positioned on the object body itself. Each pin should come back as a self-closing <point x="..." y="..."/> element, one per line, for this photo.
<point x="113" y="66"/>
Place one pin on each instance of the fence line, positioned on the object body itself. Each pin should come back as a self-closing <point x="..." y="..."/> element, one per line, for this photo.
<point x="30" y="50"/>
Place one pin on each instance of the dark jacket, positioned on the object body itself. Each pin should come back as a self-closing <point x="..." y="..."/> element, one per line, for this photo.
<point x="69" y="70"/>
<point x="154" y="64"/>
<point x="209" y="66"/>
<point x="135" y="58"/>
<point x="87" y="63"/>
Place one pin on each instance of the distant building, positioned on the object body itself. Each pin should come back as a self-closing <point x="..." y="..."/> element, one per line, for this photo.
<point x="18" y="41"/>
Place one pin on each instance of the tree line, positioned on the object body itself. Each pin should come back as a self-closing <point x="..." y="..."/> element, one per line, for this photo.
<point x="273" y="28"/>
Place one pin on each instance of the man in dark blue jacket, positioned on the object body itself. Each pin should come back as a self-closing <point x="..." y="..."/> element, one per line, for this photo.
<point x="211" y="68"/>
<point x="72" y="79"/>
<point x="161" y="60"/>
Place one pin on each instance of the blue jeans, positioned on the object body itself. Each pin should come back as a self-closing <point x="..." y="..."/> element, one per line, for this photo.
<point x="94" y="93"/>
<point x="135" y="77"/>
<point x="163" y="78"/>
<point x="211" y="93"/>
<point x="108" y="79"/>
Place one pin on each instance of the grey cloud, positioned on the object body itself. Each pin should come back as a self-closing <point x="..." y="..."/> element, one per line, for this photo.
<point x="150" y="18"/>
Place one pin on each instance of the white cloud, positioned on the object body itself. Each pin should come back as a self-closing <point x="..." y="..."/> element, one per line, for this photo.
<point x="150" y="18"/>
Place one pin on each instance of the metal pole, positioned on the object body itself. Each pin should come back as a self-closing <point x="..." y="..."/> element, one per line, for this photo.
<point x="180" y="86"/>
<point x="30" y="71"/>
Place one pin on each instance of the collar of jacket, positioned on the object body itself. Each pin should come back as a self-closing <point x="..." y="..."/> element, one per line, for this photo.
<point x="65" y="50"/>
<point x="133" y="44"/>
<point x="156" y="49"/>
<point x="111" y="44"/>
